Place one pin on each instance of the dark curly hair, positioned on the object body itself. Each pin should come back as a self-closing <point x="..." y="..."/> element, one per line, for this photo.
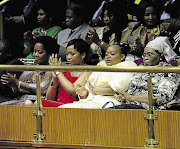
<point x="50" y="44"/>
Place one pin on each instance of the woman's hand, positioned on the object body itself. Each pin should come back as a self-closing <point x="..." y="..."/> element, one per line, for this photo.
<point x="90" y="87"/>
<point x="92" y="36"/>
<point x="165" y="33"/>
<point x="53" y="60"/>
<point x="10" y="80"/>
<point x="35" y="34"/>
<point x="122" y="96"/>
<point x="137" y="45"/>
<point x="81" y="91"/>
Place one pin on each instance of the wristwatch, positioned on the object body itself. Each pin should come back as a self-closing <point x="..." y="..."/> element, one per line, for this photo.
<point x="58" y="72"/>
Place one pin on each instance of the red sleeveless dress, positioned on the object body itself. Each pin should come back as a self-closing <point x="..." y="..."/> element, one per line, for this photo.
<point x="63" y="97"/>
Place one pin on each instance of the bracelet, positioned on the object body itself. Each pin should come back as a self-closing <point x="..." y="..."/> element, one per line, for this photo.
<point x="57" y="73"/>
<point x="19" y="85"/>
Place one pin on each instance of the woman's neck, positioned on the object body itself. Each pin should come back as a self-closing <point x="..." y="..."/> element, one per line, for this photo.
<point x="46" y="27"/>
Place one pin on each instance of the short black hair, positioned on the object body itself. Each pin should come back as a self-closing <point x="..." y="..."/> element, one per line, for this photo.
<point x="79" y="11"/>
<point x="50" y="44"/>
<point x="80" y="45"/>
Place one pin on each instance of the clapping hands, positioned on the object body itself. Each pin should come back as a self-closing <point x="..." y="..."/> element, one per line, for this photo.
<point x="54" y="60"/>
<point x="91" y="36"/>
<point x="10" y="80"/>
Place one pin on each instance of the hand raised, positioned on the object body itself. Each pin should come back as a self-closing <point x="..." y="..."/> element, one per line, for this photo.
<point x="10" y="80"/>
<point x="53" y="60"/>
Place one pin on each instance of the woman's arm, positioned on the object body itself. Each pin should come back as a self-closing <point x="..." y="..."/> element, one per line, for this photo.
<point x="123" y="96"/>
<point x="92" y="36"/>
<point x="32" y="87"/>
<point x="70" y="87"/>
<point x="103" y="89"/>
<point x="52" y="90"/>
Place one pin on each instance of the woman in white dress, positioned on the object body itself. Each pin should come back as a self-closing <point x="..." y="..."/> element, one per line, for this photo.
<point x="101" y="86"/>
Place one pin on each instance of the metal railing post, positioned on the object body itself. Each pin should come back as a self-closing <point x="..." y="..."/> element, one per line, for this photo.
<point x="150" y="142"/>
<point x="39" y="136"/>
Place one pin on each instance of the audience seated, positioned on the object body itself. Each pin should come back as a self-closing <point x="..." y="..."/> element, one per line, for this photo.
<point x="25" y="87"/>
<point x="164" y="85"/>
<point x="138" y="34"/>
<point x="100" y="86"/>
<point x="63" y="86"/>
<point x="112" y="30"/>
<point x="77" y="27"/>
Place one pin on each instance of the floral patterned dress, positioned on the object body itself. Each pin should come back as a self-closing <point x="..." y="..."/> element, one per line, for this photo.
<point x="164" y="86"/>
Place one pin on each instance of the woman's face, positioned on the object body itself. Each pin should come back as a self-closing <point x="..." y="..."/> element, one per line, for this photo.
<point x="42" y="17"/>
<point x="72" y="21"/>
<point x="40" y="55"/>
<point x="73" y="56"/>
<point x="113" y="55"/>
<point x="150" y="57"/>
<point x="108" y="20"/>
<point x="150" y="17"/>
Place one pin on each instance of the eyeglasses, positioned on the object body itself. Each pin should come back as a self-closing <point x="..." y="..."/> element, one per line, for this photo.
<point x="148" y="55"/>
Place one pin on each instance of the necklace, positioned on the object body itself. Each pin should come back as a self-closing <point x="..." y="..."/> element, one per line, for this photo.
<point x="42" y="30"/>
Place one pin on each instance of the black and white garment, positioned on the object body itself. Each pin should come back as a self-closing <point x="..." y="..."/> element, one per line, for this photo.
<point x="164" y="86"/>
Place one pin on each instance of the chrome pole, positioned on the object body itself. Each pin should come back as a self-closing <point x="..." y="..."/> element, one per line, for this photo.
<point x="150" y="142"/>
<point x="39" y="136"/>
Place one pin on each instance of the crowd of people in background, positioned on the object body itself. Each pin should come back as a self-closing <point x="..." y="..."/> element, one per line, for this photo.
<point x="115" y="33"/>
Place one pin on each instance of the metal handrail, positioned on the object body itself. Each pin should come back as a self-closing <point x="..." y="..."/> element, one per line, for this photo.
<point x="90" y="68"/>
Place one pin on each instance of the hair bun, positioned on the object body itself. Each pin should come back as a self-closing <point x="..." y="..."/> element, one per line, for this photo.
<point x="125" y="46"/>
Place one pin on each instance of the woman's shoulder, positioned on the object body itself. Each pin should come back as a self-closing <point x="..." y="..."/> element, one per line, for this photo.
<point x="126" y="63"/>
<point x="102" y="63"/>
<point x="131" y="25"/>
<point x="56" y="28"/>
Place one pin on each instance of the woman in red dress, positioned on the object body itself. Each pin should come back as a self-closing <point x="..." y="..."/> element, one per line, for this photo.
<point x="63" y="87"/>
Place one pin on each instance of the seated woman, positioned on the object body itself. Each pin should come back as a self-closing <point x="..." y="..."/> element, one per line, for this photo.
<point x="138" y="34"/>
<point x="25" y="87"/>
<point x="47" y="27"/>
<point x="100" y="86"/>
<point x="164" y="85"/>
<point x="115" y="19"/>
<point x="64" y="84"/>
